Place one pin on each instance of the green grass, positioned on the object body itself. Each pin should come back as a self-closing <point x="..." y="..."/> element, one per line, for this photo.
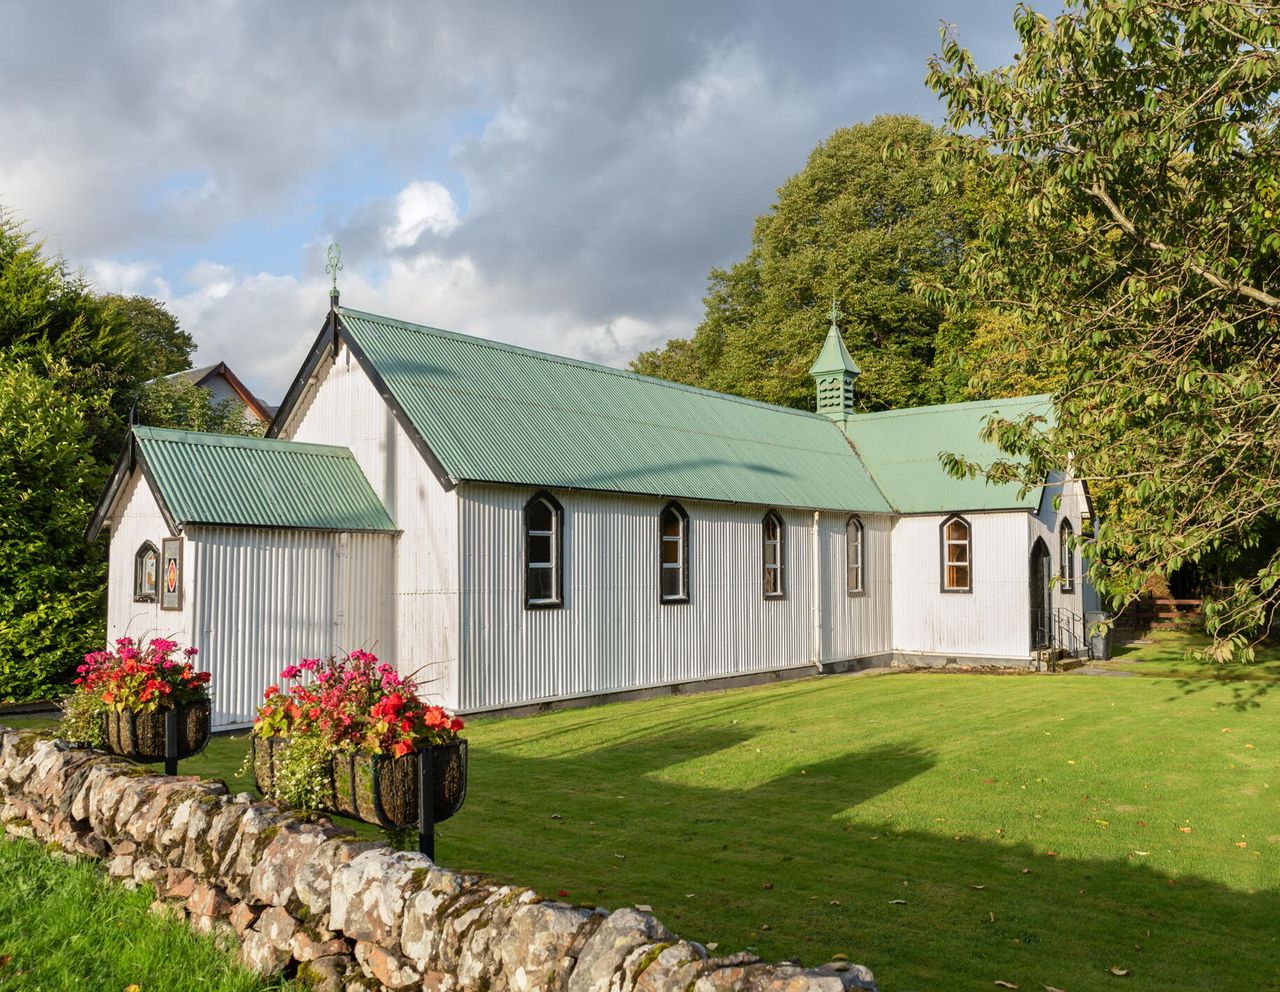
<point x="64" y="929"/>
<point x="1165" y="652"/>
<point x="1034" y="826"/>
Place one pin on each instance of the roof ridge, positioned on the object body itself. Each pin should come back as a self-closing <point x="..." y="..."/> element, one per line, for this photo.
<point x="907" y="411"/>
<point x="580" y="363"/>
<point x="212" y="439"/>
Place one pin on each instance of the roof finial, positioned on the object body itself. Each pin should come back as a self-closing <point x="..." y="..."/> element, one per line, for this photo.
<point x="835" y="313"/>
<point x="333" y="268"/>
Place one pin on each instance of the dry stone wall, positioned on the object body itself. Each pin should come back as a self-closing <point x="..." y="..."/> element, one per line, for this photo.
<point x="307" y="899"/>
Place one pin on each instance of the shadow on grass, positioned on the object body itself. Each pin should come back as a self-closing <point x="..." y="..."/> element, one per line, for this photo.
<point x="786" y="867"/>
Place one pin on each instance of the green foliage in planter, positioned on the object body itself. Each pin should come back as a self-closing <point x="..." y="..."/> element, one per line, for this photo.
<point x="303" y="772"/>
<point x="82" y="719"/>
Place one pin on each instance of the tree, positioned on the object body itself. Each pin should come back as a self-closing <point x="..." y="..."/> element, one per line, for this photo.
<point x="862" y="220"/>
<point x="161" y="346"/>
<point x="51" y="586"/>
<point x="49" y="314"/>
<point x="1139" y="142"/>
<point x="179" y="403"/>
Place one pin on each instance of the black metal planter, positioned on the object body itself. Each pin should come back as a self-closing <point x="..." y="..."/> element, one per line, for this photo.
<point x="166" y="735"/>
<point x="384" y="791"/>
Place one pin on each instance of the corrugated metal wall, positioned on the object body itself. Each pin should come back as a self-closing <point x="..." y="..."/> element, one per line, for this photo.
<point x="139" y="519"/>
<point x="991" y="621"/>
<point x="857" y="626"/>
<point x="344" y="408"/>
<point x="267" y="598"/>
<point x="613" y="633"/>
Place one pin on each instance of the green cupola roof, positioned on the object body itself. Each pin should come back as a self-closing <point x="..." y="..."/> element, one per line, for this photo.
<point x="834" y="372"/>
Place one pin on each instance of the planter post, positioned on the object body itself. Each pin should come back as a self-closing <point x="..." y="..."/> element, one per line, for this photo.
<point x="171" y="741"/>
<point x="426" y="803"/>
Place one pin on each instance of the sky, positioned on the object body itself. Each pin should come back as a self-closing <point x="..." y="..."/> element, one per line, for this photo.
<point x="557" y="175"/>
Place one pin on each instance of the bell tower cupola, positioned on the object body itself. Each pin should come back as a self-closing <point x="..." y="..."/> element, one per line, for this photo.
<point x="834" y="372"/>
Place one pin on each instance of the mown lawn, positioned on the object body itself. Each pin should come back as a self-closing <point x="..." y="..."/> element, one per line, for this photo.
<point x="1165" y="652"/>
<point x="948" y="831"/>
<point x="64" y="929"/>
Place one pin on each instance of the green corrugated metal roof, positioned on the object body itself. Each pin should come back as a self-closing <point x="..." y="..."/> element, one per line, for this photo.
<point x="901" y="448"/>
<point x="492" y="412"/>
<point x="257" y="482"/>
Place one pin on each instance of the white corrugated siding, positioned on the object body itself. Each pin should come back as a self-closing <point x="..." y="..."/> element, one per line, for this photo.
<point x="270" y="597"/>
<point x="613" y="633"/>
<point x="139" y="519"/>
<point x="991" y="621"/>
<point x="857" y="626"/>
<point x="344" y="408"/>
<point x="1073" y="506"/>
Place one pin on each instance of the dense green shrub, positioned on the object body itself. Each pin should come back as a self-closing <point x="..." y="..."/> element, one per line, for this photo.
<point x="51" y="580"/>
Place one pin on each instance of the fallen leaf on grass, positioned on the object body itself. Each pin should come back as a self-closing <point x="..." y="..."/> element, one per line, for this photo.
<point x="556" y="816"/>
<point x="1119" y="972"/>
<point x="1005" y="985"/>
<point x="562" y="893"/>
<point x="978" y="887"/>
<point x="712" y="946"/>
<point x="643" y="908"/>
<point x="839" y="957"/>
<point x="767" y="885"/>
<point x="1142" y="854"/>
<point x="897" y="902"/>
<point x="1050" y="988"/>
<point x="1241" y="843"/>
<point x="133" y="988"/>
<point x="5" y="959"/>
<point x="835" y="902"/>
<point x="1185" y="830"/>
<point x="1026" y="871"/>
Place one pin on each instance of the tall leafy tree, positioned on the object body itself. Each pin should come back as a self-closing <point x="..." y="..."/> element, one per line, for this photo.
<point x="49" y="313"/>
<point x="161" y="346"/>
<point x="863" y="220"/>
<point x="1138" y="143"/>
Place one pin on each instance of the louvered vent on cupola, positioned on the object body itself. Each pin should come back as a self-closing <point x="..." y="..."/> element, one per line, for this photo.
<point x="834" y="373"/>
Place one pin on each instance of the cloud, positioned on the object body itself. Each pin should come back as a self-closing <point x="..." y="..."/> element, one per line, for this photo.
<point x="424" y="205"/>
<point x="562" y="175"/>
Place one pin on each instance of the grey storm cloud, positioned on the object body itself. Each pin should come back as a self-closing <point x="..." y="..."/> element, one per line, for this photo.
<point x="624" y="149"/>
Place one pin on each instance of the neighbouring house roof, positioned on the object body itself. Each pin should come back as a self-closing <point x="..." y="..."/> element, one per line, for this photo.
<point x="223" y="479"/>
<point x="902" y="447"/>
<point x="203" y="375"/>
<point x="490" y="412"/>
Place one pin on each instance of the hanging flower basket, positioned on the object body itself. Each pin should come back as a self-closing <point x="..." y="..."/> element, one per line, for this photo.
<point x="378" y="788"/>
<point x="140" y="735"/>
<point x="352" y="736"/>
<point x="141" y="701"/>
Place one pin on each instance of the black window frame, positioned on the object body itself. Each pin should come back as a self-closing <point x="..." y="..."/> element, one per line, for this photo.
<point x="773" y="516"/>
<point x="557" y="550"/>
<point x="145" y="548"/>
<point x="943" y="542"/>
<point x="682" y="542"/>
<point x="1066" y="557"/>
<point x="852" y="525"/>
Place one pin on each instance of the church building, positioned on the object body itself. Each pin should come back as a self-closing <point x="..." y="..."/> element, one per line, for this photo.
<point x="517" y="528"/>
